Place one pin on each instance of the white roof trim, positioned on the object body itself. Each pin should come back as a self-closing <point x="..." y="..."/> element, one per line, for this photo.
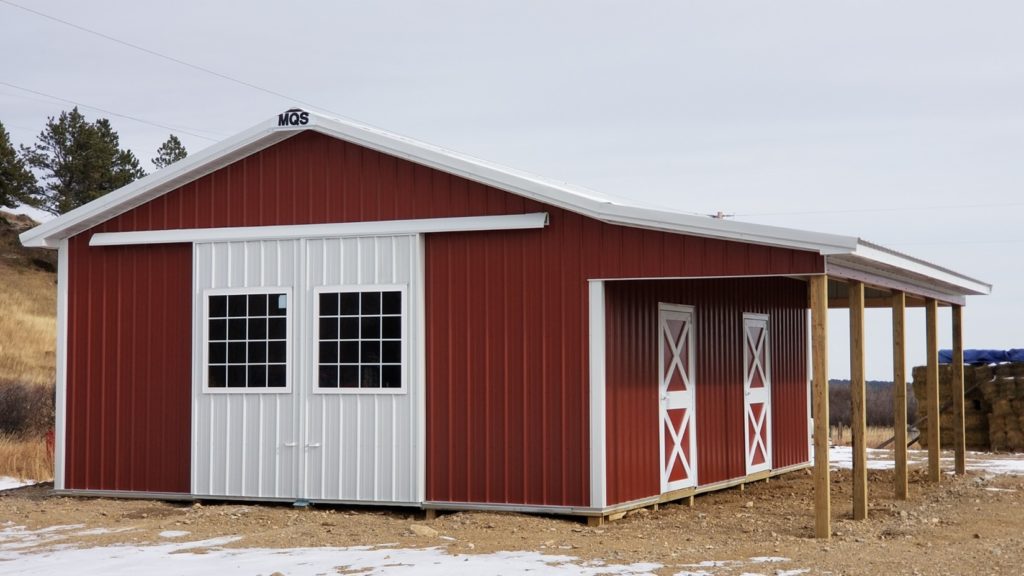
<point x="330" y="230"/>
<point x="575" y="199"/>
<point x="875" y="259"/>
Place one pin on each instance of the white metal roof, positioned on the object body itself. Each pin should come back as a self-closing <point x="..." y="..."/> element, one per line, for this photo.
<point x="573" y="198"/>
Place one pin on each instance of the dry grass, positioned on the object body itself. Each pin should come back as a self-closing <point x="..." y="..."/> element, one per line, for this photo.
<point x="25" y="459"/>
<point x="28" y="309"/>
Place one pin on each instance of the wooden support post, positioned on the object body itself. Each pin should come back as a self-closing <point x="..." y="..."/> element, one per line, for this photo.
<point x="899" y="382"/>
<point x="689" y="501"/>
<point x="430" y="514"/>
<point x="819" y="382"/>
<point x="959" y="444"/>
<point x="934" y="437"/>
<point x="858" y="415"/>
<point x="595" y="521"/>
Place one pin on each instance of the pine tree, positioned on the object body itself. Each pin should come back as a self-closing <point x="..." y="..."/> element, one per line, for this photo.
<point x="169" y="152"/>
<point x="17" y="182"/>
<point x="79" y="161"/>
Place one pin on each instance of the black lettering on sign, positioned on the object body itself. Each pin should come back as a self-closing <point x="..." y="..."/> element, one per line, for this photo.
<point x="293" y="117"/>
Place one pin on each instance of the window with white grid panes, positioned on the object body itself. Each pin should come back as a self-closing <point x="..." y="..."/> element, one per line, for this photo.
<point x="360" y="344"/>
<point x="247" y="341"/>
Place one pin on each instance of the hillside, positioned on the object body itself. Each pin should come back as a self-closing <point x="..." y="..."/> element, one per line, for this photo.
<point x="28" y="306"/>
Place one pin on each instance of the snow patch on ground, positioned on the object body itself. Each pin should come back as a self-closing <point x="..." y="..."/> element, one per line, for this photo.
<point x="8" y="483"/>
<point x="842" y="457"/>
<point x="174" y="533"/>
<point x="38" y="552"/>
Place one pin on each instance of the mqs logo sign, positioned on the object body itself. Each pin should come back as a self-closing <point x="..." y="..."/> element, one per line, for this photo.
<point x="293" y="117"/>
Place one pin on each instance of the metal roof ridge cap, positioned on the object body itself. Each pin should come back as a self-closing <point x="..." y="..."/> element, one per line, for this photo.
<point x="41" y="235"/>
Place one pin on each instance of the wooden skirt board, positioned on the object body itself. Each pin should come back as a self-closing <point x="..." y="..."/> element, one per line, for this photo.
<point x="757" y="390"/>
<point x="676" y="397"/>
<point x="305" y="381"/>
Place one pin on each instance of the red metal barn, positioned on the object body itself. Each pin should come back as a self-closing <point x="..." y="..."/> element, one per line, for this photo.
<point x="320" y="311"/>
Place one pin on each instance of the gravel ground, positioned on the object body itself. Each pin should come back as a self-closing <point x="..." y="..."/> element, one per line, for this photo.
<point x="963" y="525"/>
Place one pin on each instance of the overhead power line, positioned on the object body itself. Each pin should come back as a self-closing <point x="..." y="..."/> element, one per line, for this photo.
<point x="166" y="57"/>
<point x="110" y="112"/>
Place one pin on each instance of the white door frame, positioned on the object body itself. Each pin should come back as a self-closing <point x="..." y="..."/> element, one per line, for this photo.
<point x="683" y="437"/>
<point x="757" y="364"/>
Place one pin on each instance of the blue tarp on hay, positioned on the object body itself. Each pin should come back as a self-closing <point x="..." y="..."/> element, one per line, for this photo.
<point x="984" y="356"/>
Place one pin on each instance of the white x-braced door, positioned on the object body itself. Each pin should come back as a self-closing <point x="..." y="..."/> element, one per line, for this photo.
<point x="676" y="393"/>
<point x="757" y="388"/>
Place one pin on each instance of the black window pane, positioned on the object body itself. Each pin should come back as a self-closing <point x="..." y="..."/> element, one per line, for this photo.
<point x="236" y="329"/>
<point x="349" y="352"/>
<point x="348" y="376"/>
<point x="328" y="304"/>
<point x="369" y="377"/>
<point x="236" y="352"/>
<point x="328" y="377"/>
<point x="349" y="304"/>
<point x="329" y="352"/>
<point x="257" y="305"/>
<point x="349" y="329"/>
<point x="370" y="352"/>
<point x="218" y="329"/>
<point x="276" y="376"/>
<point x="391" y="351"/>
<point x="257" y="328"/>
<point x="257" y="376"/>
<point x="217" y="376"/>
<point x="391" y="327"/>
<point x="257" y="352"/>
<point x="391" y="303"/>
<point x="236" y="306"/>
<point x="391" y="376"/>
<point x="277" y="351"/>
<point x="236" y="376"/>
<point x="328" y="328"/>
<point x="218" y="353"/>
<point x="370" y="328"/>
<point x="370" y="303"/>
<point x="218" y="306"/>
<point x="277" y="304"/>
<point x="277" y="328"/>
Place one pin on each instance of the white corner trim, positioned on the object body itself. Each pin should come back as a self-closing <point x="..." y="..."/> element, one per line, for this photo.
<point x="331" y="230"/>
<point x="419" y="368"/>
<point x="60" y="424"/>
<point x="598" y="431"/>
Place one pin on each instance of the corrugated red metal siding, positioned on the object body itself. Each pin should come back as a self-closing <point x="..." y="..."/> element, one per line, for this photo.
<point x="129" y="368"/>
<point x="632" y="376"/>
<point x="506" y="313"/>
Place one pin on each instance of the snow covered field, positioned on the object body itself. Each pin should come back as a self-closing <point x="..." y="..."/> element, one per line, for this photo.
<point x="842" y="457"/>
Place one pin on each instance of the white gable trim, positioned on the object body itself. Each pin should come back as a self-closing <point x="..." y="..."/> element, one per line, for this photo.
<point x="333" y="230"/>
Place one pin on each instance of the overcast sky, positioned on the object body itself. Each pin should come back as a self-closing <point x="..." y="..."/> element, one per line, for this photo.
<point x="899" y="122"/>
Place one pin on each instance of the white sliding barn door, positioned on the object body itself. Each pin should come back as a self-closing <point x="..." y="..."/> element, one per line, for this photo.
<point x="362" y="407"/>
<point x="307" y="382"/>
<point x="245" y="439"/>
<point x="757" y="388"/>
<point x="676" y="393"/>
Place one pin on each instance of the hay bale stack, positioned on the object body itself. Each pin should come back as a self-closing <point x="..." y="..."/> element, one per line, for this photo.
<point x="1005" y="393"/>
<point x="977" y="427"/>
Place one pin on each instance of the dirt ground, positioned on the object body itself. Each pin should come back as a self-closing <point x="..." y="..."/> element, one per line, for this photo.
<point x="963" y="525"/>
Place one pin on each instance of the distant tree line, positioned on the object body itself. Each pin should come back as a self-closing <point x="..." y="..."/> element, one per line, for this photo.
<point x="73" y="161"/>
<point x="878" y="404"/>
